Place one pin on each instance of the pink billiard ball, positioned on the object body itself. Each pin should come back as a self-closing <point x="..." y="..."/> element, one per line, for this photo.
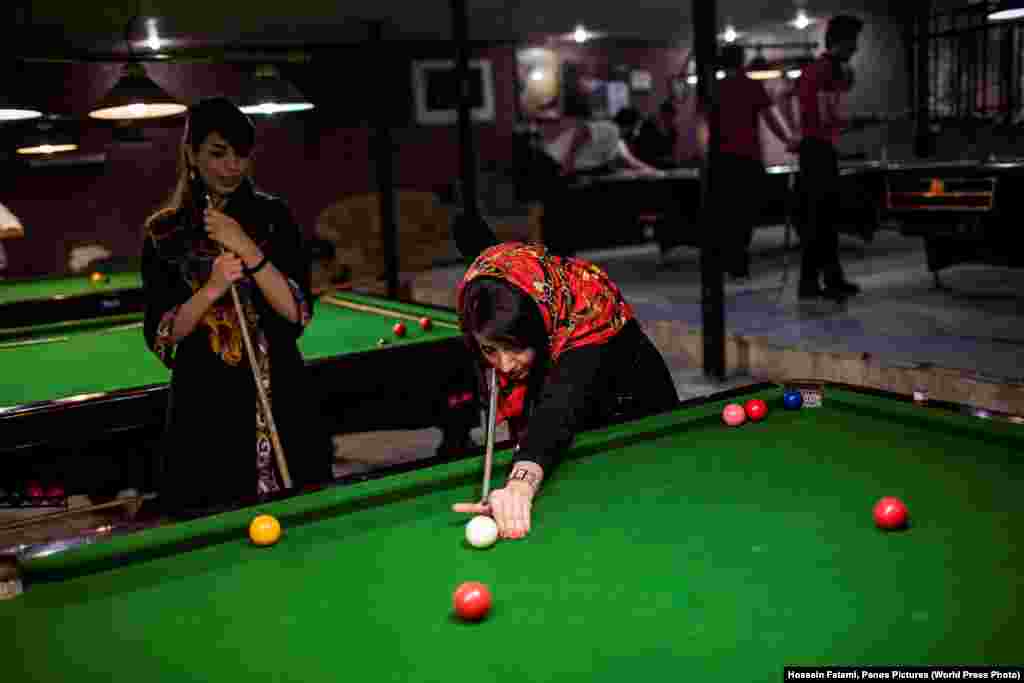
<point x="890" y="513"/>
<point x="756" y="409"/>
<point x="733" y="415"/>
<point x="399" y="329"/>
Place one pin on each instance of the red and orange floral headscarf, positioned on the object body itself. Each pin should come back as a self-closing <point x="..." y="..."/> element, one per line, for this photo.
<point x="579" y="303"/>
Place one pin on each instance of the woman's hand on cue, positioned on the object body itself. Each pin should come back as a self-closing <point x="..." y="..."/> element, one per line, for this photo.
<point x="225" y="230"/>
<point x="510" y="507"/>
<point x="227" y="269"/>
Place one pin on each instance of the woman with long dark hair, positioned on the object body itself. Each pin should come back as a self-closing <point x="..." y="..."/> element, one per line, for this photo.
<point x="217" y="231"/>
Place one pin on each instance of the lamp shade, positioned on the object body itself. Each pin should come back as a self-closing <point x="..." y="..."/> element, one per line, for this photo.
<point x="11" y="109"/>
<point x="13" y="105"/>
<point x="10" y="226"/>
<point x="136" y="96"/>
<point x="47" y="135"/>
<point x="760" y="70"/>
<point x="266" y="93"/>
<point x="1007" y="10"/>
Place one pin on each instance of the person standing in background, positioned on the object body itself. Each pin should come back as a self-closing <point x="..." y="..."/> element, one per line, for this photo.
<point x="821" y="93"/>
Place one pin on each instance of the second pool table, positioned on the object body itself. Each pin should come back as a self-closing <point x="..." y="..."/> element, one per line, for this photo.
<point x="91" y="388"/>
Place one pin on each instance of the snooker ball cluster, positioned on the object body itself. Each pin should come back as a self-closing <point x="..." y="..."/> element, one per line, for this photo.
<point x="735" y="414"/>
<point x="399" y="329"/>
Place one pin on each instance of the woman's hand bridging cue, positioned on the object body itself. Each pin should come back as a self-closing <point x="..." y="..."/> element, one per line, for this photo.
<point x="510" y="507"/>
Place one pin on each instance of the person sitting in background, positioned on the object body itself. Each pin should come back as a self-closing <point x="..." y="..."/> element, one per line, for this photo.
<point x="585" y="147"/>
<point x="656" y="138"/>
<point x="591" y="147"/>
<point x="628" y="120"/>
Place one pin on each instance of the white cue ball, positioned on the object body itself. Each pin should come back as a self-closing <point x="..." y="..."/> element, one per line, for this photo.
<point x="481" y="532"/>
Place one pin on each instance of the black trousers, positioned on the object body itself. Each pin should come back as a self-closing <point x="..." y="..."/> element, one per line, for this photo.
<point x="818" y="206"/>
<point x="738" y="187"/>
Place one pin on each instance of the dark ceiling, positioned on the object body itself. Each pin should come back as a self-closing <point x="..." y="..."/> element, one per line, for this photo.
<point x="56" y="28"/>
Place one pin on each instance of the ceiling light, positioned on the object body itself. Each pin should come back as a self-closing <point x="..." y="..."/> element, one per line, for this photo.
<point x="802" y="21"/>
<point x="136" y="96"/>
<point x="760" y="70"/>
<point x="13" y="105"/>
<point x="1007" y="10"/>
<point x="267" y="93"/>
<point x="46" y="136"/>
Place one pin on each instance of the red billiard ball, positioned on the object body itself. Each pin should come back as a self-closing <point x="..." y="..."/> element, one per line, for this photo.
<point x="55" y="492"/>
<point x="890" y="513"/>
<point x="399" y="329"/>
<point x="733" y="415"/>
<point x="426" y="324"/>
<point x="756" y="409"/>
<point x="472" y="600"/>
<point x="34" y="490"/>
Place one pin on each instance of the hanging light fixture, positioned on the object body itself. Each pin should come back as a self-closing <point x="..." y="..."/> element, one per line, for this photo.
<point x="10" y="226"/>
<point x="267" y="93"/>
<point x="1007" y="10"/>
<point x="795" y="67"/>
<point x="136" y="96"/>
<point x="47" y="135"/>
<point x="760" y="70"/>
<point x="13" y="105"/>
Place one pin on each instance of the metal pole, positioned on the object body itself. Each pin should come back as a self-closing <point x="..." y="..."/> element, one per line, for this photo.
<point x="922" y="126"/>
<point x="383" y="152"/>
<point x="467" y="151"/>
<point x="705" y="32"/>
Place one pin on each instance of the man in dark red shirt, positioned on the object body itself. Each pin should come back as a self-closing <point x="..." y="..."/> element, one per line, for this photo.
<point x="739" y="169"/>
<point x="821" y="92"/>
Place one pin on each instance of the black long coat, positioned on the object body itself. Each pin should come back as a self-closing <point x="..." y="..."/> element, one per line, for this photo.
<point x="209" y="451"/>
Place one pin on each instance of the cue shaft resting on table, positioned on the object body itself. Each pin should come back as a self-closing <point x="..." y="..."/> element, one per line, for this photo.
<point x="383" y="311"/>
<point x="275" y="441"/>
<point x="492" y="418"/>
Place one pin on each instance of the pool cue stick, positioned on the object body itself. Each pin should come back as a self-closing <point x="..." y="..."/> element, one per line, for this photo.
<point x="275" y="440"/>
<point x="55" y="340"/>
<point x="492" y="418"/>
<point x="52" y="516"/>
<point x="365" y="308"/>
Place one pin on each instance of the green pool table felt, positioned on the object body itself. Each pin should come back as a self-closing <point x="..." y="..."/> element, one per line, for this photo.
<point x="671" y="548"/>
<point x="94" y="357"/>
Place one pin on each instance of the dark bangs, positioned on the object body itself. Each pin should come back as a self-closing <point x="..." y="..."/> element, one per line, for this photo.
<point x="499" y="311"/>
<point x="220" y="115"/>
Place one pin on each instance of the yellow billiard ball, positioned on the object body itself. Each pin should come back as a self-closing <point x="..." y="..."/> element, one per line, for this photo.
<point x="264" y="530"/>
<point x="97" y="278"/>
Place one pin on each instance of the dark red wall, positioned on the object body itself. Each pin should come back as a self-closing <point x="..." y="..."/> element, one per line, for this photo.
<point x="312" y="161"/>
